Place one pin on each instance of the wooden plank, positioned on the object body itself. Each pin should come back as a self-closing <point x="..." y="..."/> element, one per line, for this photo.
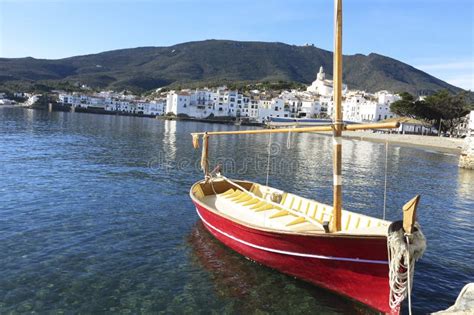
<point x="273" y="204"/>
<point x="264" y="208"/>
<point x="297" y="221"/>
<point x="280" y="214"/>
<point x="251" y="202"/>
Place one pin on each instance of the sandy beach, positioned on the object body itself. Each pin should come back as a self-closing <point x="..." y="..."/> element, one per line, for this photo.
<point x="452" y="145"/>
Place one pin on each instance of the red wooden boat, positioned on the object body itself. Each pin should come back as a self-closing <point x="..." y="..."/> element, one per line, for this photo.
<point x="352" y="265"/>
<point x="339" y="250"/>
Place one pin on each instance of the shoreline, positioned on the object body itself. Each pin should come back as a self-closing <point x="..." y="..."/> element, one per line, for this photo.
<point x="100" y="111"/>
<point x="440" y="144"/>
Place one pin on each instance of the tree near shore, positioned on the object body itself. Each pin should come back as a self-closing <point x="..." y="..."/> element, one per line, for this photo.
<point x="407" y="106"/>
<point x="441" y="109"/>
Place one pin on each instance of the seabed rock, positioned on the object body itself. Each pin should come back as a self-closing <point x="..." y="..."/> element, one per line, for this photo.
<point x="466" y="160"/>
<point x="464" y="304"/>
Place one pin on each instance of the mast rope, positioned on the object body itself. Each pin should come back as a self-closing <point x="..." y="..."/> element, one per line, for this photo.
<point x="385" y="184"/>
<point x="268" y="157"/>
<point x="403" y="251"/>
<point x="288" y="140"/>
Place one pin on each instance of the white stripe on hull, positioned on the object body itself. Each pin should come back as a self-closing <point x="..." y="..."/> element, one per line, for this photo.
<point x="284" y="252"/>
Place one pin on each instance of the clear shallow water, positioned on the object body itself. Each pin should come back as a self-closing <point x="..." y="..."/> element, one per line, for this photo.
<point x="95" y="216"/>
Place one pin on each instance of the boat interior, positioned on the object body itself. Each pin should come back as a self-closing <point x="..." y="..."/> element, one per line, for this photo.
<point x="270" y="208"/>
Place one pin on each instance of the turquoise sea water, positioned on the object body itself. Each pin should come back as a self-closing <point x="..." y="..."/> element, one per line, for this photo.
<point x="95" y="216"/>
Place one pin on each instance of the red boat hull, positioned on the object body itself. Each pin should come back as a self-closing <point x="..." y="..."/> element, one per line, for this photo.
<point x="355" y="267"/>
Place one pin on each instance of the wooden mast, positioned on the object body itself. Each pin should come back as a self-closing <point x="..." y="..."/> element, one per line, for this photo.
<point x="337" y="120"/>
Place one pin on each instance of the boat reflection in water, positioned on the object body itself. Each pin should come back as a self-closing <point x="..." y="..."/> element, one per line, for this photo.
<point x="249" y="287"/>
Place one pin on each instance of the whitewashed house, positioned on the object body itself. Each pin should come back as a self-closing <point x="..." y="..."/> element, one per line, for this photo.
<point x="178" y="103"/>
<point x="360" y="106"/>
<point x="309" y="108"/>
<point x="203" y="101"/>
<point x="412" y="126"/>
<point x="271" y="108"/>
<point x="250" y="108"/>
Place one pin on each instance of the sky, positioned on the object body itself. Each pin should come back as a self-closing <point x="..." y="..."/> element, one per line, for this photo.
<point x="436" y="36"/>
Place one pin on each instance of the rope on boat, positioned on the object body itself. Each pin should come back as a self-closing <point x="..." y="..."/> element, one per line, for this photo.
<point x="288" y="140"/>
<point x="403" y="251"/>
<point x="385" y="184"/>
<point x="269" y="157"/>
<point x="204" y="155"/>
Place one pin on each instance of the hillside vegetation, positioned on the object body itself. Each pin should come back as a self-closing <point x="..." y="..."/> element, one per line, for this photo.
<point x="214" y="62"/>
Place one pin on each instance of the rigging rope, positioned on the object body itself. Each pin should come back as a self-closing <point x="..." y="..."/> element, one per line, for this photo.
<point x="385" y="184"/>
<point x="268" y="158"/>
<point x="288" y="140"/>
<point x="403" y="251"/>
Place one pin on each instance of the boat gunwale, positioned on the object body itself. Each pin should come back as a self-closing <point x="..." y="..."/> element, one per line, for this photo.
<point x="275" y="231"/>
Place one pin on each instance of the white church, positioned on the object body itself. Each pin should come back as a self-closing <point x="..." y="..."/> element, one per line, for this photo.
<point x="323" y="87"/>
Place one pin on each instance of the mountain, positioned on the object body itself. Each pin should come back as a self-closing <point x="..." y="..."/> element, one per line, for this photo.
<point x="214" y="62"/>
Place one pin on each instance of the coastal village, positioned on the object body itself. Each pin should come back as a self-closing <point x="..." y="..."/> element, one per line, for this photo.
<point x="254" y="106"/>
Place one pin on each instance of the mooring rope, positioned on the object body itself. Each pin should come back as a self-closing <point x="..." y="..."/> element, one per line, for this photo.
<point x="403" y="251"/>
<point x="410" y="279"/>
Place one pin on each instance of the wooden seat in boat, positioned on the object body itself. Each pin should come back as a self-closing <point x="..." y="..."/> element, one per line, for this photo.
<point x="254" y="205"/>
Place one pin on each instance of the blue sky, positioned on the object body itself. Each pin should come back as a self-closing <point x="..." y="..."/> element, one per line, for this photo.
<point x="436" y="36"/>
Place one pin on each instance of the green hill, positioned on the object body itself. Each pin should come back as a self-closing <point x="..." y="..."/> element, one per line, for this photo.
<point x="217" y="61"/>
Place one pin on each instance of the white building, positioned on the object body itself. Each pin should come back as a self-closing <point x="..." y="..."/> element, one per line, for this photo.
<point x="31" y="100"/>
<point x="309" y="108"/>
<point x="360" y="106"/>
<point x="271" y="108"/>
<point x="322" y="86"/>
<point x="178" y="103"/>
<point x="202" y="101"/>
<point x="412" y="126"/>
<point x="114" y="102"/>
<point x="250" y="107"/>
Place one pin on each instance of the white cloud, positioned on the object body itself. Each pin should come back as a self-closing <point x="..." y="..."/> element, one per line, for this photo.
<point x="466" y="82"/>
<point x="460" y="65"/>
<point x="459" y="73"/>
